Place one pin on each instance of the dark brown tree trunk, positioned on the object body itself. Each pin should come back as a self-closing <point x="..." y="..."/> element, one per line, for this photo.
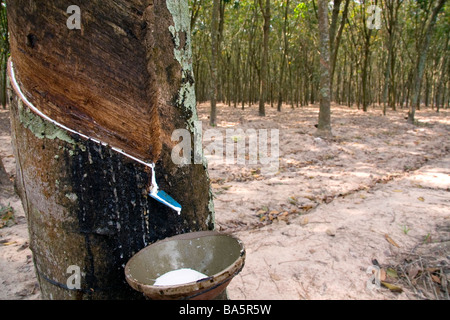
<point x="392" y="8"/>
<point x="283" y="58"/>
<point x="440" y="87"/>
<point x="4" y="51"/>
<point x="4" y="179"/>
<point x="422" y="57"/>
<point x="365" y="71"/>
<point x="367" y="36"/>
<point x="124" y="79"/>
<point x="324" y="126"/>
<point x="335" y="39"/>
<point x="214" y="58"/>
<point x="265" y="54"/>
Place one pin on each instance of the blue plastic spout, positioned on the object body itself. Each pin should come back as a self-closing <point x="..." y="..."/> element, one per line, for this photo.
<point x="165" y="199"/>
<point x="160" y="195"/>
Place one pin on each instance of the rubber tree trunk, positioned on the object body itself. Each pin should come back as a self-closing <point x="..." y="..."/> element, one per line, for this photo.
<point x="324" y="125"/>
<point x="4" y="179"/>
<point x="125" y="78"/>
<point x="264" y="78"/>
<point x="283" y="59"/>
<point x="422" y="58"/>
<point x="214" y="58"/>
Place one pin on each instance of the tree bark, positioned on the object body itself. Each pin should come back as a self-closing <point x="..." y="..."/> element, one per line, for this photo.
<point x="4" y="179"/>
<point x="214" y="57"/>
<point x="335" y="40"/>
<point x="391" y="26"/>
<point x="443" y="73"/>
<point x="263" y="76"/>
<point x="124" y="79"/>
<point x="4" y="51"/>
<point x="324" y="126"/>
<point x="422" y="57"/>
<point x="365" y="73"/>
<point x="283" y="59"/>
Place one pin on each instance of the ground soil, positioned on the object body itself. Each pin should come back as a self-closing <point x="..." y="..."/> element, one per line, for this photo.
<point x="329" y="211"/>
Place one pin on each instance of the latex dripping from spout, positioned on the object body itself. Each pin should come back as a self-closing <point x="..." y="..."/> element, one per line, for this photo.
<point x="160" y="195"/>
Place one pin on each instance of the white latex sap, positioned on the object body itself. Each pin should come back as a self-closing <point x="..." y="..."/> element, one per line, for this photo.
<point x="179" y="276"/>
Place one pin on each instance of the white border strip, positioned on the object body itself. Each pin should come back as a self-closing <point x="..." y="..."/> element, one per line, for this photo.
<point x="39" y="113"/>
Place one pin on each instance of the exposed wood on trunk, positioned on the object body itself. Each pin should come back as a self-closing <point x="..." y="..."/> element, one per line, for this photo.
<point x="88" y="79"/>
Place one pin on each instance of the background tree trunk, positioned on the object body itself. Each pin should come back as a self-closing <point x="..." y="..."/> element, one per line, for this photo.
<point x="214" y="58"/>
<point x="391" y="17"/>
<point x="422" y="57"/>
<point x="366" y="62"/>
<point x="265" y="57"/>
<point x="335" y="39"/>
<point x="125" y="79"/>
<point x="443" y="72"/>
<point x="4" y="179"/>
<point x="283" y="59"/>
<point x="324" y="126"/>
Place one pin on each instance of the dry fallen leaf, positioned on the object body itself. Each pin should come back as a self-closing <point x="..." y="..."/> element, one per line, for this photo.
<point x="307" y="208"/>
<point x="391" y="273"/>
<point x="283" y="216"/>
<point x="274" y="276"/>
<point x="391" y="287"/>
<point x="292" y="200"/>
<point x="413" y="271"/>
<point x="328" y="199"/>
<point x="436" y="279"/>
<point x="8" y="243"/>
<point x="389" y="239"/>
<point x="260" y="212"/>
<point x="382" y="274"/>
<point x="304" y="221"/>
